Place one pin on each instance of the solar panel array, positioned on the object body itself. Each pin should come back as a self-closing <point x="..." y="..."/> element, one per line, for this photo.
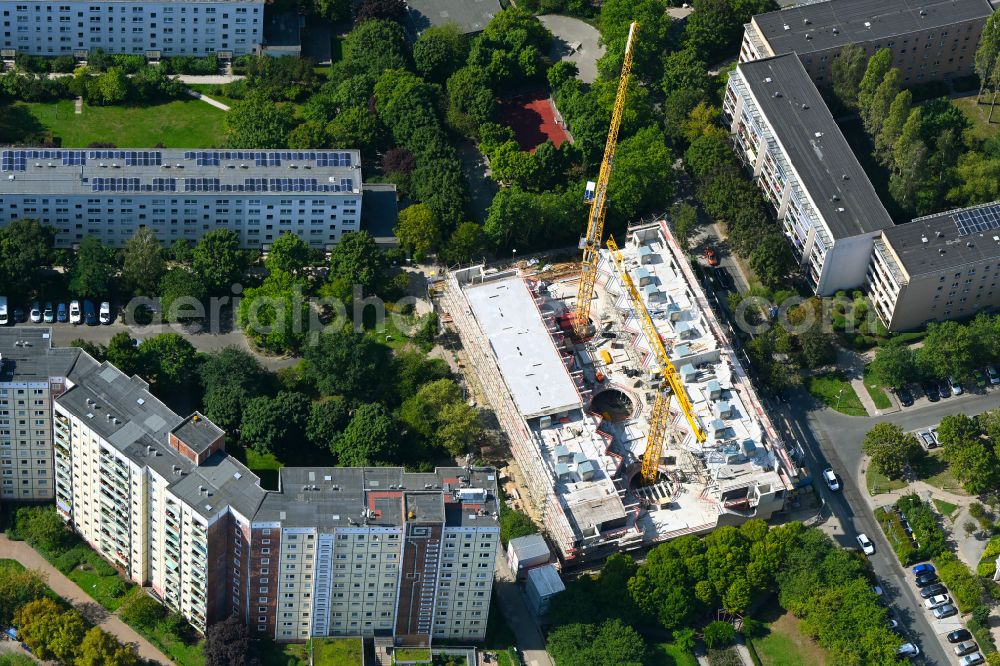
<point x="986" y="218"/>
<point x="201" y="185"/>
<point x="268" y="158"/>
<point x="17" y="160"/>
<point x="116" y="185"/>
<point x="143" y="158"/>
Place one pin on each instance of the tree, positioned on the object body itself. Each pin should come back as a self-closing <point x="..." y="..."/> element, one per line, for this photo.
<point x="560" y="73"/>
<point x="709" y="155"/>
<point x="257" y="122"/>
<point x="276" y="314"/>
<point x="168" y="361"/>
<point x="233" y="365"/>
<point x="48" y="631"/>
<point x="123" y="353"/>
<point x="470" y="100"/>
<point x="910" y="160"/>
<point x="181" y="290"/>
<point x="288" y="253"/>
<point x="218" y="260"/>
<point x="99" y="648"/>
<point x="683" y="70"/>
<point x="894" y="365"/>
<point x="230" y="643"/>
<point x="418" y="230"/>
<point x="376" y="46"/>
<point x="108" y="89"/>
<point x="349" y="364"/>
<point x="327" y="419"/>
<point x="142" y="610"/>
<point x="357" y="260"/>
<point x="467" y="244"/>
<point x="182" y="250"/>
<point x="890" y="449"/>
<point x="42" y="528"/>
<point x="876" y="106"/>
<point x="310" y="134"/>
<point x="892" y="126"/>
<point x="355" y="126"/>
<point x="876" y="69"/>
<point x="18" y="587"/>
<point x="94" y="270"/>
<point x="611" y="643"/>
<point x="847" y="70"/>
<point x="334" y="11"/>
<point x="390" y="10"/>
<point x="642" y="180"/>
<point x="369" y="439"/>
<point x="772" y="259"/>
<point x="439" y="413"/>
<point x="224" y="406"/>
<point x="275" y="425"/>
<point x="948" y="351"/>
<point x="987" y="52"/>
<point x="684" y="218"/>
<point x="25" y="247"/>
<point x="439" y="51"/>
<point x="142" y="265"/>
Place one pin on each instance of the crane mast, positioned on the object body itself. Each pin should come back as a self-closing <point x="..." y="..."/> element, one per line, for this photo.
<point x="591" y="243"/>
<point x="673" y="386"/>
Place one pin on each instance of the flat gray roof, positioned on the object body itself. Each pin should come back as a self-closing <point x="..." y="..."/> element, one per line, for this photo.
<point x="197" y="432"/>
<point x="26" y="355"/>
<point x="159" y="172"/>
<point x="834" y="23"/>
<point x="471" y="16"/>
<point x="546" y="580"/>
<point x="948" y="240"/>
<point x="532" y="368"/>
<point x="529" y="547"/>
<point x="815" y="146"/>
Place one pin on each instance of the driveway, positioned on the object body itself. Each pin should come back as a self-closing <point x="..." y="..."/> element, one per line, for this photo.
<point x="530" y="641"/>
<point x="71" y="592"/>
<point x="575" y="41"/>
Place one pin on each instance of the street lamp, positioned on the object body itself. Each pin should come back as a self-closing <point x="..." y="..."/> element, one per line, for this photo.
<point x="840" y="394"/>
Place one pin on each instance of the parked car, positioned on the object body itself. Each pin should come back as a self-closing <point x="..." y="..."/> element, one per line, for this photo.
<point x="866" y="544"/>
<point x="923" y="580"/>
<point x="48" y="315"/>
<point x="965" y="647"/>
<point x="937" y="600"/>
<point x="979" y="378"/>
<point x="105" y="313"/>
<point x="934" y="433"/>
<point x="971" y="659"/>
<point x="831" y="479"/>
<point x="907" y="650"/>
<point x="19" y="316"/>
<point x="955" y="386"/>
<point x="959" y="635"/>
<point x="942" y="612"/>
<point x="931" y="391"/>
<point x="877" y="589"/>
<point x="927" y="440"/>
<point x="89" y="313"/>
<point x="892" y="624"/>
<point x="904" y="396"/>
<point x="36" y="313"/>
<point x="75" y="314"/>
<point x="62" y="314"/>
<point x="922" y="568"/>
<point x="711" y="257"/>
<point x="724" y="279"/>
<point x="944" y="390"/>
<point x="932" y="590"/>
<point x="992" y="375"/>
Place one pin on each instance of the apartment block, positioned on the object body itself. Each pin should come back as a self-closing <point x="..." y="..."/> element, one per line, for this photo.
<point x="333" y="552"/>
<point x="156" y="29"/>
<point x="32" y="373"/>
<point x="110" y="194"/>
<point x="930" y="39"/>
<point x="938" y="267"/>
<point x="824" y="202"/>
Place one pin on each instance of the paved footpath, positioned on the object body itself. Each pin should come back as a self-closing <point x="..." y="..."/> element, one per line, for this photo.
<point x="71" y="592"/>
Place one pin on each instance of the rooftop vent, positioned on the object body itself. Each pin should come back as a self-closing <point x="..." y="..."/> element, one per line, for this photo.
<point x="818" y="135"/>
<point x="923" y="12"/>
<point x="140" y="401"/>
<point x="777" y="93"/>
<point x="941" y="250"/>
<point x="868" y="24"/>
<point x="237" y="476"/>
<point x="835" y="197"/>
<point x="846" y="177"/>
<point x="923" y="239"/>
<point x="841" y="209"/>
<point x="806" y="21"/>
<point x="939" y="234"/>
<point x="968" y="243"/>
<point x="805" y="106"/>
<point x="787" y="27"/>
<point x="809" y="36"/>
<point x="836" y="31"/>
<point x="767" y="79"/>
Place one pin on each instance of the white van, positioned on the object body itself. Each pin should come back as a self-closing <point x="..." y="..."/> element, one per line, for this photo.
<point x="75" y="316"/>
<point x="4" y="318"/>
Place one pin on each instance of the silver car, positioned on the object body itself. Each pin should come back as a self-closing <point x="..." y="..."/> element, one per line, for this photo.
<point x="942" y="612"/>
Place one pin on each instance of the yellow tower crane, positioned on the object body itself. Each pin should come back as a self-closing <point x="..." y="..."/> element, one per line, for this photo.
<point x="659" y="420"/>
<point x="591" y="243"/>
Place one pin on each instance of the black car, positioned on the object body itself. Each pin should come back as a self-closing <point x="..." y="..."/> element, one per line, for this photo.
<point x="959" y="635"/>
<point x="931" y="391"/>
<point x="20" y="316"/>
<point x="905" y="397"/>
<point x="926" y="579"/>
<point x="944" y="390"/>
<point x="933" y="591"/>
<point x="724" y="279"/>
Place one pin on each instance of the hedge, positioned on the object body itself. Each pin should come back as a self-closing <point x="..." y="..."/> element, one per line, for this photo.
<point x="900" y="541"/>
<point x="988" y="562"/>
<point x="931" y="539"/>
<point x="966" y="589"/>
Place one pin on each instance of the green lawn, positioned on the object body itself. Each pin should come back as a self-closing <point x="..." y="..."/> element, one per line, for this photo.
<point x="266" y="467"/>
<point x="877" y="392"/>
<point x="101" y="587"/>
<point x="282" y="654"/>
<point x="185" y="654"/>
<point x="336" y="651"/>
<point x="836" y="393"/>
<point x="211" y="91"/>
<point x="181" y="124"/>
<point x="411" y="654"/>
<point x="946" y="508"/>
<point x="785" y="645"/>
<point x="933" y="469"/>
<point x="978" y="114"/>
<point x="879" y="483"/>
<point x="668" y="654"/>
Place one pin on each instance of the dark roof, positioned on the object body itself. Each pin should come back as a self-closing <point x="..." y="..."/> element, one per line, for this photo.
<point x="946" y="246"/>
<point x="471" y="16"/>
<point x="860" y="21"/>
<point x="197" y="432"/>
<point x="379" y="212"/>
<point x="26" y="355"/>
<point x="815" y="146"/>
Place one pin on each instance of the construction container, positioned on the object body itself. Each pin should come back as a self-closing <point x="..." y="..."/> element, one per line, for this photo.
<point x="526" y="552"/>
<point x="606" y="356"/>
<point x="542" y="584"/>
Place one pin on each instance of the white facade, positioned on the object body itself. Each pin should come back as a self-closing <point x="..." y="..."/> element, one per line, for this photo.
<point x="465" y="583"/>
<point x="192" y="28"/>
<point x="26" y="471"/>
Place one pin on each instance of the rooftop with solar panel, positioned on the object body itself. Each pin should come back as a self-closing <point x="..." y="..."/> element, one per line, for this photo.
<point x="947" y="240"/>
<point x="578" y="414"/>
<point x="185" y="171"/>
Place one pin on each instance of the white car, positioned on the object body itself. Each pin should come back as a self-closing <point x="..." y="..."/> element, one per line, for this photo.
<point x="75" y="315"/>
<point x="937" y="600"/>
<point x="972" y="659"/>
<point x="105" y="313"/>
<point x="36" y="313"/>
<point x="831" y="479"/>
<point x="993" y="375"/>
<point x="907" y="650"/>
<point x="866" y="544"/>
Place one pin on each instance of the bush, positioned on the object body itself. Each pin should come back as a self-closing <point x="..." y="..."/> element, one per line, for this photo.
<point x="70" y="559"/>
<point x="982" y="635"/>
<point x="900" y="541"/>
<point x="117" y="588"/>
<point x="981" y="614"/>
<point x="141" y="610"/>
<point x="966" y="589"/>
<point x="719" y="634"/>
<point x="924" y="523"/>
